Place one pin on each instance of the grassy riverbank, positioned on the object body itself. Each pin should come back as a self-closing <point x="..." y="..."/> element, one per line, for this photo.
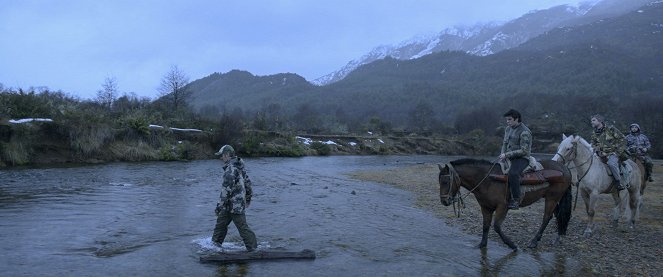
<point x="39" y="143"/>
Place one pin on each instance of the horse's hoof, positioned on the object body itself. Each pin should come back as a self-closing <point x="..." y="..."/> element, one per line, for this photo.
<point x="514" y="248"/>
<point x="532" y="245"/>
<point x="557" y="241"/>
<point x="587" y="234"/>
<point x="481" y="245"/>
<point x="615" y="223"/>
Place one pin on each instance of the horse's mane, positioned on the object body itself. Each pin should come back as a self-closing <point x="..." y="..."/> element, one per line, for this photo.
<point x="585" y="143"/>
<point x="469" y="161"/>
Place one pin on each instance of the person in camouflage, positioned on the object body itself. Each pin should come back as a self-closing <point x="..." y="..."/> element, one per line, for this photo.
<point x="637" y="146"/>
<point x="235" y="197"/>
<point x="608" y="143"/>
<point x="516" y="147"/>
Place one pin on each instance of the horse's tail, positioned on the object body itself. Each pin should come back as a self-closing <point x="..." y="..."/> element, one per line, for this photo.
<point x="563" y="212"/>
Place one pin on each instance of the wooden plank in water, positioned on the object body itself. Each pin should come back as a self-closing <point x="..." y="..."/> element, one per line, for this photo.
<point x="235" y="257"/>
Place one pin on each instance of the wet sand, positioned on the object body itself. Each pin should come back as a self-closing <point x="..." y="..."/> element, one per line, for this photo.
<point x="610" y="251"/>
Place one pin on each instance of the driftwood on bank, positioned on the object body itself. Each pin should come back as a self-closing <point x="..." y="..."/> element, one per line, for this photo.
<point x="236" y="257"/>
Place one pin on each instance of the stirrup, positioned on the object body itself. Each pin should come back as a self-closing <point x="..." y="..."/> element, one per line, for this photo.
<point x="513" y="204"/>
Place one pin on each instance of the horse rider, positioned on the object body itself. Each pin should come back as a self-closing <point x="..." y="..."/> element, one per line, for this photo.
<point x="516" y="147"/>
<point x="637" y="145"/>
<point x="608" y="143"/>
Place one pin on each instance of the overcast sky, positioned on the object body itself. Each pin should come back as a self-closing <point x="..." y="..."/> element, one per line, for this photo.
<point x="74" y="45"/>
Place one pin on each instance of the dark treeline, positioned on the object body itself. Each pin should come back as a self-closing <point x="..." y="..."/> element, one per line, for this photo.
<point x="558" y="80"/>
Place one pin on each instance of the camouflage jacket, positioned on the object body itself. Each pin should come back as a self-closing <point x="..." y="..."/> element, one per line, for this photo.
<point x="609" y="140"/>
<point x="637" y="144"/>
<point x="236" y="190"/>
<point x="517" y="142"/>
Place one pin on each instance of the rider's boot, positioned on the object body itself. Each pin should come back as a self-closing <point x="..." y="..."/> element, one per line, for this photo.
<point x="514" y="203"/>
<point x="648" y="172"/>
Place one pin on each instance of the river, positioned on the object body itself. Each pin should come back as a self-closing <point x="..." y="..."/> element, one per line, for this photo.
<point x="156" y="219"/>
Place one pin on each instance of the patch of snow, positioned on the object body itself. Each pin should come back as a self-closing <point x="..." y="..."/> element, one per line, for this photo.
<point x="380" y="140"/>
<point x="185" y="130"/>
<point x="308" y="141"/>
<point x="330" y="142"/>
<point x="352" y="143"/>
<point x="428" y="50"/>
<point x="304" y="140"/>
<point x="370" y="133"/>
<point x="582" y="8"/>
<point x="153" y="126"/>
<point x="27" y="120"/>
<point x="641" y="11"/>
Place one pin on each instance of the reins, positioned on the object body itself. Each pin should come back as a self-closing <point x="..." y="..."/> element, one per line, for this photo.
<point x="455" y="179"/>
<point x="484" y="178"/>
<point x="577" y="184"/>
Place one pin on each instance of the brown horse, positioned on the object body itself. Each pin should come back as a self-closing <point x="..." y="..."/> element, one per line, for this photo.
<point x="473" y="175"/>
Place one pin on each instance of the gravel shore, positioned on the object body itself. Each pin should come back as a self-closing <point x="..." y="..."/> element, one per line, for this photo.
<point x="610" y="251"/>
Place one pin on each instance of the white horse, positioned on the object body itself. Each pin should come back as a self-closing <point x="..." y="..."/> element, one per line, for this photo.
<point x="593" y="180"/>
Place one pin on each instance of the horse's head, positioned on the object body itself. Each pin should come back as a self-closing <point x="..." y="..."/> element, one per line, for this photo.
<point x="449" y="184"/>
<point x="567" y="150"/>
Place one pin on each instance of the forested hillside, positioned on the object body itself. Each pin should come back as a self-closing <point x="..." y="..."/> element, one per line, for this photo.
<point x="611" y="66"/>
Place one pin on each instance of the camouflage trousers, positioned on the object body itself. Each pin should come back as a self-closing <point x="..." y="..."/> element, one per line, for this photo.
<point x="221" y="229"/>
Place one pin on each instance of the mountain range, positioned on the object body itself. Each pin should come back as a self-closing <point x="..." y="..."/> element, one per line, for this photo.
<point x="491" y="38"/>
<point x="611" y="65"/>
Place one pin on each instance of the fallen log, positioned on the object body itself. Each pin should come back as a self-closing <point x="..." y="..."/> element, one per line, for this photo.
<point x="237" y="257"/>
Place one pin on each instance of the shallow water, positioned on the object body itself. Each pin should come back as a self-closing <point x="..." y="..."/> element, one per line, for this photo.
<point x="156" y="219"/>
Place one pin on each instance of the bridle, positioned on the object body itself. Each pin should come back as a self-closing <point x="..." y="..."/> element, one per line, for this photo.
<point x="590" y="160"/>
<point x="455" y="182"/>
<point x="574" y="151"/>
<point x="575" y="155"/>
<point x="454" y="189"/>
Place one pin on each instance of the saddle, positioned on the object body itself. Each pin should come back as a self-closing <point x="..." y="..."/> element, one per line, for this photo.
<point x="625" y="169"/>
<point x="533" y="178"/>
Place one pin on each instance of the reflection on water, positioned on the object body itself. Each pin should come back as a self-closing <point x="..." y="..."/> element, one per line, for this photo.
<point x="153" y="219"/>
<point x="494" y="268"/>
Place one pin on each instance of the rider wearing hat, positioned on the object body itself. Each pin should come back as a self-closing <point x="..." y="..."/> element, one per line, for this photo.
<point x="637" y="145"/>
<point x="608" y="143"/>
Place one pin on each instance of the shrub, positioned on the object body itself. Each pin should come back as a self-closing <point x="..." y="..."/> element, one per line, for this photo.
<point x="185" y="150"/>
<point x="167" y="153"/>
<point x="14" y="153"/>
<point x="136" y="151"/>
<point x="321" y="148"/>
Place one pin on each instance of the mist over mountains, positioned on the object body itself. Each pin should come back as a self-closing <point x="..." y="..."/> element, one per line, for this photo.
<point x="490" y="38"/>
<point x="600" y="59"/>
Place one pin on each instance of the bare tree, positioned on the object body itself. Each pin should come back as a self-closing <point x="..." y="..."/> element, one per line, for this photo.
<point x="108" y="93"/>
<point x="172" y="87"/>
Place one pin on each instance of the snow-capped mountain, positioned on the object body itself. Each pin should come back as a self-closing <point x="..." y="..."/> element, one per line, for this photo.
<point x="487" y="39"/>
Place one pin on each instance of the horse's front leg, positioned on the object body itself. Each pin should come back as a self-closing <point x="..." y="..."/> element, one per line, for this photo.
<point x="618" y="206"/>
<point x="547" y="215"/>
<point x="500" y="215"/>
<point x="487" y="219"/>
<point x="635" y="200"/>
<point x="590" y="204"/>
